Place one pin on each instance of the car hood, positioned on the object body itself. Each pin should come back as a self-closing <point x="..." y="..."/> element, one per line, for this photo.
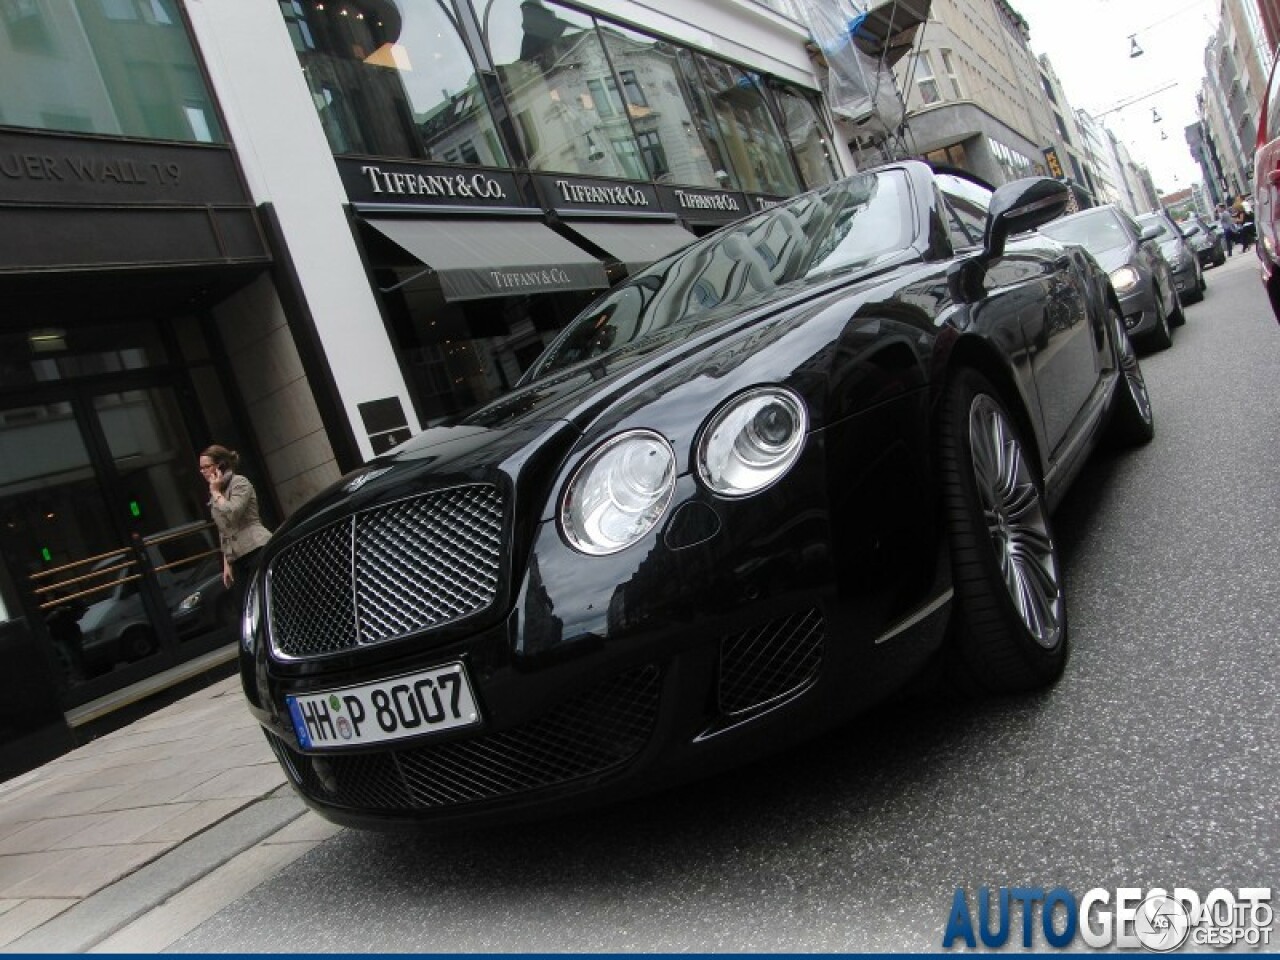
<point x="529" y="432"/>
<point x="1112" y="260"/>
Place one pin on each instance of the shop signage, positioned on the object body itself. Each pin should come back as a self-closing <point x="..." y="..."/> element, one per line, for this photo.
<point x="64" y="169"/>
<point x="398" y="182"/>
<point x="703" y="206"/>
<point x="1052" y="162"/>
<point x="760" y="202"/>
<point x="540" y="279"/>
<point x="581" y="195"/>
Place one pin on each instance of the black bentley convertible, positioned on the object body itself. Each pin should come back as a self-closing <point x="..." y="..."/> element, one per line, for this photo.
<point x="745" y="495"/>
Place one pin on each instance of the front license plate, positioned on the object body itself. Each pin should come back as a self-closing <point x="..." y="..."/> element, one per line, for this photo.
<point x="408" y="706"/>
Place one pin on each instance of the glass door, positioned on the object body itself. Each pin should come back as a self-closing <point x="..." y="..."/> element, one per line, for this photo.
<point x="103" y="524"/>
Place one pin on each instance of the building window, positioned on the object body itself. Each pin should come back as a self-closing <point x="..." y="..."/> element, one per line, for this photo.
<point x="1062" y="126"/>
<point x="392" y="89"/>
<point x="810" y="141"/>
<point x="948" y="67"/>
<point x="752" y="142"/>
<point x="1048" y="89"/>
<point x="115" y="67"/>
<point x="604" y="96"/>
<point x="635" y="94"/>
<point x="926" y="83"/>
<point x="655" y="158"/>
<point x="552" y="65"/>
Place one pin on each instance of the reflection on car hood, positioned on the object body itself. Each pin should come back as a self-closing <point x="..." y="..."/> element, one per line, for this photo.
<point x="1111" y="260"/>
<point x="540" y="422"/>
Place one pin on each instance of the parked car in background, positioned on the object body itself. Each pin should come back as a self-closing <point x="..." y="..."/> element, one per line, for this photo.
<point x="744" y="495"/>
<point x="1205" y="239"/>
<point x="1188" y="275"/>
<point x="1266" y="191"/>
<point x="1139" y="272"/>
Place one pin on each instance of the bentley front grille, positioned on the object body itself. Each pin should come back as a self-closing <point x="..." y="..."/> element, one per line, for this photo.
<point x="589" y="735"/>
<point x="390" y="571"/>
<point x="770" y="662"/>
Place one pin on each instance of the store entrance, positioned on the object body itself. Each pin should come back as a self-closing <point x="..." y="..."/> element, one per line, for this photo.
<point x="104" y="525"/>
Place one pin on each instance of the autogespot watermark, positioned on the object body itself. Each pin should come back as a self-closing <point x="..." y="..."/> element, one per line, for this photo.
<point x="1125" y="918"/>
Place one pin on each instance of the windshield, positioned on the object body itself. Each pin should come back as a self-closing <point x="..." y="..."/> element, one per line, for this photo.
<point x="842" y="227"/>
<point x="1095" y="232"/>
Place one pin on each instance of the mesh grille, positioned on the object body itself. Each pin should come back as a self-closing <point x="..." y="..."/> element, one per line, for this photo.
<point x="770" y="661"/>
<point x="416" y="564"/>
<point x="589" y="735"/>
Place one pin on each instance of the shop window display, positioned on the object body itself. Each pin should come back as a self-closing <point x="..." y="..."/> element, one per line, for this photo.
<point x="393" y="80"/>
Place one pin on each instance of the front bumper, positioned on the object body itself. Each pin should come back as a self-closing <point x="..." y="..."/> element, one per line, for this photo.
<point x="1186" y="280"/>
<point x="1139" y="309"/>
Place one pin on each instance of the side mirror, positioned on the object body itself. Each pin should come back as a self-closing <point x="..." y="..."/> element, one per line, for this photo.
<point x="1021" y="206"/>
<point x="1149" y="232"/>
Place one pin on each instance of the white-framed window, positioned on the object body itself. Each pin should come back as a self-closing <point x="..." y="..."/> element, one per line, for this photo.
<point x="926" y="82"/>
<point x="949" y="68"/>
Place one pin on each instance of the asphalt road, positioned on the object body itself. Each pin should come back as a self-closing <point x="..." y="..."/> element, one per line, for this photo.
<point x="1153" y="763"/>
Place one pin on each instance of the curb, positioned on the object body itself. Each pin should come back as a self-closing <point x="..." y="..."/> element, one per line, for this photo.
<point x="98" y="916"/>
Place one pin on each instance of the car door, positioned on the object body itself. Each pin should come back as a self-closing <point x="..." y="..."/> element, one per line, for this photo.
<point x="1041" y="280"/>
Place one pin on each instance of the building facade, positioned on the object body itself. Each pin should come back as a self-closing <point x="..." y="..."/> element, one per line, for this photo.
<point x="1238" y="60"/>
<point x="307" y="229"/>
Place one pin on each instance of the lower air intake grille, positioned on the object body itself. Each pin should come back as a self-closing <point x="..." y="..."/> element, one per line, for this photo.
<point x="596" y="732"/>
<point x="771" y="661"/>
<point x="390" y="571"/>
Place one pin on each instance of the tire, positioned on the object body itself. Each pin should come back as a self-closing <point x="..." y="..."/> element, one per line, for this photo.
<point x="1160" y="338"/>
<point x="1179" y="315"/>
<point x="1011" y="617"/>
<point x="137" y="642"/>
<point x="1132" y="422"/>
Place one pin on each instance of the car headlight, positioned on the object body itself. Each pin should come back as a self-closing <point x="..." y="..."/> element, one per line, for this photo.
<point x="618" y="493"/>
<point x="251" y="615"/>
<point x="752" y="441"/>
<point x="190" y="603"/>
<point x="1126" y="278"/>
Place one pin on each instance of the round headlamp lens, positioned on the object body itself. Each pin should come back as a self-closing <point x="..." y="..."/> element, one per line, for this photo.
<point x="619" y="493"/>
<point x="751" y="441"/>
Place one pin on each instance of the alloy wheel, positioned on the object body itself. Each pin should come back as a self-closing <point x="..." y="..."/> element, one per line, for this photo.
<point x="1015" y="517"/>
<point x="1132" y="372"/>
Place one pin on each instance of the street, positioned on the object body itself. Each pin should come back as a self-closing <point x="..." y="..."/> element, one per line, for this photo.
<point x="1153" y="762"/>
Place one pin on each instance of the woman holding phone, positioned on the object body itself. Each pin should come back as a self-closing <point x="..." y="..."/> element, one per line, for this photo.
<point x="233" y="503"/>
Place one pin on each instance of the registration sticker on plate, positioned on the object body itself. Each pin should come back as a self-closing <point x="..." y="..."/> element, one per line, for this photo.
<point x="394" y="709"/>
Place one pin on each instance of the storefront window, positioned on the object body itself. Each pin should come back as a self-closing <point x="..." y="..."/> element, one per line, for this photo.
<point x="569" y="108"/>
<point x="807" y="134"/>
<point x="393" y="80"/>
<point x="460" y="355"/>
<point x="117" y="67"/>
<point x="753" y="145"/>
<point x="667" y="131"/>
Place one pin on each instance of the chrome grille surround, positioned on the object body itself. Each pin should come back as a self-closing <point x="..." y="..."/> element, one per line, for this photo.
<point x="392" y="570"/>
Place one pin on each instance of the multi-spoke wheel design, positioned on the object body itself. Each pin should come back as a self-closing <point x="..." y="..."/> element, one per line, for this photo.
<point x="1132" y="420"/>
<point x="1016" y="521"/>
<point x="1011" y="616"/>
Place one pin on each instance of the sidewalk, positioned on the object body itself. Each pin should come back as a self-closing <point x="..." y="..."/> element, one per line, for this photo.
<point x="133" y="840"/>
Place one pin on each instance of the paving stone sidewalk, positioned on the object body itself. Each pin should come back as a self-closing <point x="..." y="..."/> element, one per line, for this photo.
<point x="132" y="840"/>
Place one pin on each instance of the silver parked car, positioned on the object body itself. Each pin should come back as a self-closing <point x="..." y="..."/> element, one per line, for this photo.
<point x="1139" y="272"/>
<point x="1177" y="248"/>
